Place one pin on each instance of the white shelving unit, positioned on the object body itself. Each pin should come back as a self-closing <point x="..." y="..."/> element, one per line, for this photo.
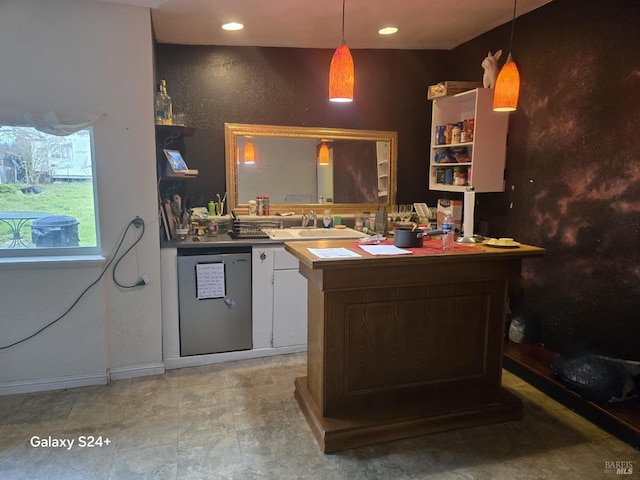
<point x="383" y="170"/>
<point x="487" y="151"/>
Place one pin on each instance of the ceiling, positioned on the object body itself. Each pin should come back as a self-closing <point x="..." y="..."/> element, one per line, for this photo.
<point x="423" y="24"/>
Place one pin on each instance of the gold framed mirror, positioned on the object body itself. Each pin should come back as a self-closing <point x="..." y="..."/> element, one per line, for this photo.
<point x="310" y="168"/>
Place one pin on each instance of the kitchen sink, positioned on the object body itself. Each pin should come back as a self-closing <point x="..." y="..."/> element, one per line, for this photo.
<point x="331" y="233"/>
<point x="312" y="233"/>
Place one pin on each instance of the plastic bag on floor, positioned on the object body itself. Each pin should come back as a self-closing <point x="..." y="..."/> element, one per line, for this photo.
<point x="599" y="379"/>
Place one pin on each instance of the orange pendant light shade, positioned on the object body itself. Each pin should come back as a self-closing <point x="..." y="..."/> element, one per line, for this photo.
<point x="323" y="154"/>
<point x="507" y="89"/>
<point x="341" y="75"/>
<point x="249" y="155"/>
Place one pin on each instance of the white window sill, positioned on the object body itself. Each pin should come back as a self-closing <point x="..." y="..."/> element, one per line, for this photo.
<point x="52" y="261"/>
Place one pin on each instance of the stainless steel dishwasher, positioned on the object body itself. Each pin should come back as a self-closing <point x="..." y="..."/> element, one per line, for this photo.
<point x="214" y="291"/>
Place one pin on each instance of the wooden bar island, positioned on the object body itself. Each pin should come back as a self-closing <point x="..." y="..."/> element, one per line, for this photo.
<point x="403" y="345"/>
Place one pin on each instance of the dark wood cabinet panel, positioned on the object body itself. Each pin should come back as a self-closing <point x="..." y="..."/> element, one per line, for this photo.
<point x="399" y="347"/>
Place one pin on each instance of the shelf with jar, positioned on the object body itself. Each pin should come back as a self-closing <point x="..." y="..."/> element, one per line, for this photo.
<point x="468" y="143"/>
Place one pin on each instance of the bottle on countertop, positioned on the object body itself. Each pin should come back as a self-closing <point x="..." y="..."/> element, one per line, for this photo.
<point x="260" y="201"/>
<point x="366" y="226"/>
<point x="327" y="220"/>
<point x="378" y="221"/>
<point x="385" y="222"/>
<point x="211" y="207"/>
<point x="212" y="229"/>
<point x="448" y="227"/>
<point x="265" y="205"/>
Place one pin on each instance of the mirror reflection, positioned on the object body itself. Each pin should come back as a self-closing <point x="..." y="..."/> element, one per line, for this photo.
<point x="299" y="167"/>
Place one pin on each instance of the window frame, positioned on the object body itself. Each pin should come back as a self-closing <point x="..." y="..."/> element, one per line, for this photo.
<point x="48" y="254"/>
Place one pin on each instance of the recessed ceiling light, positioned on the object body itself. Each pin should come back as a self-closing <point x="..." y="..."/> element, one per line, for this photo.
<point x="388" y="30"/>
<point x="232" y="26"/>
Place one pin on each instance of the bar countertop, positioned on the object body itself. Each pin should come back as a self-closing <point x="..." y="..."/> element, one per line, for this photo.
<point x="430" y="253"/>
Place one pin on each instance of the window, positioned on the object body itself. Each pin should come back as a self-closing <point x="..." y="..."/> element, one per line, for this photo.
<point x="47" y="193"/>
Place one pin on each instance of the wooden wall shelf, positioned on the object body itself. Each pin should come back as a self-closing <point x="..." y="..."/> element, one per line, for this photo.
<point x="531" y="363"/>
<point x="182" y="129"/>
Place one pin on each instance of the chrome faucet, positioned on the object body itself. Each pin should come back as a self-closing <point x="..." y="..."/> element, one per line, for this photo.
<point x="305" y="219"/>
<point x="313" y="217"/>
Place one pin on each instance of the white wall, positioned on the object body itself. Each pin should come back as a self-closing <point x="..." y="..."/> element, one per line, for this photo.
<point x="78" y="57"/>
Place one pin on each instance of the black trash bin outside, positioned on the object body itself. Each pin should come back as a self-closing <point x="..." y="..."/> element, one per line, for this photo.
<point x="55" y="231"/>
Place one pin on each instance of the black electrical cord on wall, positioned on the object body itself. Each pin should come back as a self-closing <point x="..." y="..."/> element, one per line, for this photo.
<point x="137" y="222"/>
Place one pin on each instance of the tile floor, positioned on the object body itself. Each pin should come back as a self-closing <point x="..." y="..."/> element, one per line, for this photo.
<point x="239" y="421"/>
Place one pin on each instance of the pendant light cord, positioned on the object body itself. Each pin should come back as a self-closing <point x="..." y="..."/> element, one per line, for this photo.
<point x="513" y="22"/>
<point x="343" y="3"/>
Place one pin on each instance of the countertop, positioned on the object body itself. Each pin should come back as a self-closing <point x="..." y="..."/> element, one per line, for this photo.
<point x="222" y="240"/>
<point x="299" y="248"/>
<point x="430" y="253"/>
<point x="225" y="240"/>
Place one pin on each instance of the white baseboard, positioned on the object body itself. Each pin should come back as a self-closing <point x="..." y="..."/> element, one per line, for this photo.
<point x="30" y="386"/>
<point x="197" y="360"/>
<point x="137" y="371"/>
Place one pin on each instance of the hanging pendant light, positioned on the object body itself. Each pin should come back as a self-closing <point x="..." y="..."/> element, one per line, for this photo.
<point x="323" y="154"/>
<point x="507" y="88"/>
<point x="249" y="155"/>
<point x="341" y="73"/>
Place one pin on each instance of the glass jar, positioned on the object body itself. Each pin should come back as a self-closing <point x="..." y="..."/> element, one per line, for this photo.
<point x="459" y="176"/>
<point x="455" y="134"/>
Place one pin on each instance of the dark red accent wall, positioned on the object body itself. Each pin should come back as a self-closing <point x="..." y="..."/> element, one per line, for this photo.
<point x="573" y="171"/>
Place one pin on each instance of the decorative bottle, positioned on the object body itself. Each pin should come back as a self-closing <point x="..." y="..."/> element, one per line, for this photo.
<point x="168" y="104"/>
<point x="448" y="227"/>
<point x="159" y="105"/>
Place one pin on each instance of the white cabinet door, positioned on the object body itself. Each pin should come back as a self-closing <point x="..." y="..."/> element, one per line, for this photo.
<point x="289" y="308"/>
<point x="279" y="299"/>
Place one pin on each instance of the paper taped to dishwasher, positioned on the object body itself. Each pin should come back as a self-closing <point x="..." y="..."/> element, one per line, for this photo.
<point x="210" y="280"/>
